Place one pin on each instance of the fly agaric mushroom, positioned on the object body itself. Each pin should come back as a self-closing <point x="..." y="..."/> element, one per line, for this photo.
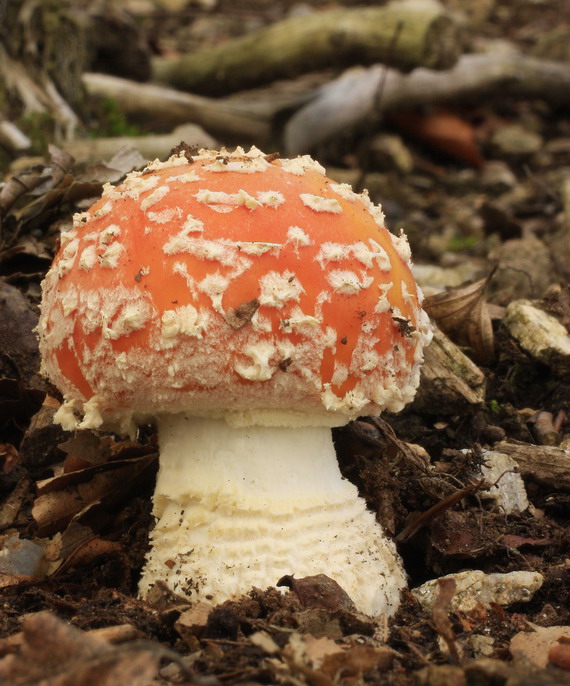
<point x="245" y="304"/>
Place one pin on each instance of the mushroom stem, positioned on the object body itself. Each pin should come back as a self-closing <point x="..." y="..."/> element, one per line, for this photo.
<point x="242" y="507"/>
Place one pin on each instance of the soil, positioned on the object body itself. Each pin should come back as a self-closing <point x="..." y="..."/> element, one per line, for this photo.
<point x="92" y="552"/>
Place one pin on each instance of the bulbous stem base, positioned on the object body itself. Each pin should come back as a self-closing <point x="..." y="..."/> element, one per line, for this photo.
<point x="242" y="507"/>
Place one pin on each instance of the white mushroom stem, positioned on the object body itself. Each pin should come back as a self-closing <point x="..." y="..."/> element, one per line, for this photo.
<point x="242" y="507"/>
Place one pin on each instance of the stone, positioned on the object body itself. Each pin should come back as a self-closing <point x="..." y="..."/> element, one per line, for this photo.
<point x="475" y="588"/>
<point x="542" y="336"/>
<point x="508" y="491"/>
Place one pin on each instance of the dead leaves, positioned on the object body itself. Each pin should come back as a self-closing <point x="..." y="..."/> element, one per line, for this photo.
<point x="40" y="200"/>
<point x="53" y="653"/>
<point x="76" y="508"/>
<point x="462" y="314"/>
<point x="95" y="476"/>
<point x="36" y="180"/>
<point x="96" y="479"/>
<point x="323" y="662"/>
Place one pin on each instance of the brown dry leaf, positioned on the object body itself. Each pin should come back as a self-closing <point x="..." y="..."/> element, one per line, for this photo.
<point x="242" y="314"/>
<point x="318" y="591"/>
<point x="84" y="449"/>
<point x="462" y="314"/>
<point x="36" y="180"/>
<point x="18" y="344"/>
<point x="54" y="653"/>
<point x="125" y="160"/>
<point x="76" y="546"/>
<point x="70" y="495"/>
<point x="442" y="131"/>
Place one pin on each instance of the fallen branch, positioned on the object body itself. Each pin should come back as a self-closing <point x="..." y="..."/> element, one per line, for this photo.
<point x="352" y="99"/>
<point x="545" y="464"/>
<point x="12" y="138"/>
<point x="165" y="108"/>
<point x="426" y="36"/>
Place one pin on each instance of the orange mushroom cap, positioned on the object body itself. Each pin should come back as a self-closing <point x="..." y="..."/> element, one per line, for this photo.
<point x="235" y="285"/>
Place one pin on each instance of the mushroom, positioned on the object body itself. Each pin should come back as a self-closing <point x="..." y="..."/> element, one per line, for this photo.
<point x="245" y="304"/>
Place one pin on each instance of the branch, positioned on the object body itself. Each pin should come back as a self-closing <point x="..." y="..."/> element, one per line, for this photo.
<point x="165" y="108"/>
<point x="334" y="38"/>
<point x="351" y="100"/>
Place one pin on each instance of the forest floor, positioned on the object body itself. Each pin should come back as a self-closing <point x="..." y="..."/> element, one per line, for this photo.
<point x="75" y="511"/>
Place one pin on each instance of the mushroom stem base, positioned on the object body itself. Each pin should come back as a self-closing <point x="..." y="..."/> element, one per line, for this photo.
<point x="242" y="507"/>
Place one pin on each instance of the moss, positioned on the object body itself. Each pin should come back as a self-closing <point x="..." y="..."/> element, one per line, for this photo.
<point x="461" y="243"/>
<point x="40" y="128"/>
<point x="112" y="121"/>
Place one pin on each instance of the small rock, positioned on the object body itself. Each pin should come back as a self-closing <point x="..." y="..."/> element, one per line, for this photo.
<point x="390" y="152"/>
<point x="525" y="269"/>
<point x="516" y="140"/>
<point x="497" y="176"/>
<point x="508" y="493"/>
<point x="20" y="556"/>
<point x="540" y="334"/>
<point x="431" y="276"/>
<point x="475" y="588"/>
<point x="482" y="646"/>
<point x="193" y="622"/>
<point x="533" y="646"/>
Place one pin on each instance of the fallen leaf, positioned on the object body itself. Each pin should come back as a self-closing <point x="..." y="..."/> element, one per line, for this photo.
<point x="65" y="497"/>
<point x="462" y="314"/>
<point x="242" y="314"/>
<point x="319" y="591"/>
<point x="54" y="653"/>
<point x="442" y="131"/>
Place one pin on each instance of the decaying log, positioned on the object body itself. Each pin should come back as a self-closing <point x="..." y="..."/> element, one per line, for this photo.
<point x="165" y="108"/>
<point x="407" y="34"/>
<point x="545" y="464"/>
<point x="450" y="381"/>
<point x="362" y="95"/>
